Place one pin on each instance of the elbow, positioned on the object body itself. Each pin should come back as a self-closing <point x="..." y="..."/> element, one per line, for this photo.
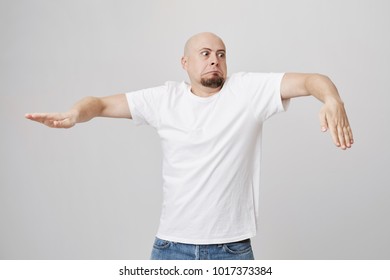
<point x="317" y="77"/>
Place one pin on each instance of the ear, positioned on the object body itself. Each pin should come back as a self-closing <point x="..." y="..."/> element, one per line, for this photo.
<point x="184" y="61"/>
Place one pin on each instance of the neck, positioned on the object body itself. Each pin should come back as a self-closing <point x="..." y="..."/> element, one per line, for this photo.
<point x="203" y="91"/>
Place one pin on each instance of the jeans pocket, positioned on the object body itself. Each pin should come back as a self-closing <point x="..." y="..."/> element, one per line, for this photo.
<point x="161" y="244"/>
<point x="241" y="247"/>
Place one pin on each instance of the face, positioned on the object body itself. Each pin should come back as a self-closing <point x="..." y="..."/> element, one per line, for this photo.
<point x="205" y="60"/>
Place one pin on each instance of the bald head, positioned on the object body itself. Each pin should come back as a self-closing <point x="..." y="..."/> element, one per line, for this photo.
<point x="199" y="40"/>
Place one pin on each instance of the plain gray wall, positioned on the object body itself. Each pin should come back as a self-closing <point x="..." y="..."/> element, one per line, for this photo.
<point x="94" y="191"/>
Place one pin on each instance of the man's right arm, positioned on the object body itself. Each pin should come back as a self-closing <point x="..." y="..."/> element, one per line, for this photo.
<point x="114" y="106"/>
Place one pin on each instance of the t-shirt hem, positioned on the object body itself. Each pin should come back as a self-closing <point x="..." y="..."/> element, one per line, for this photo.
<point x="205" y="241"/>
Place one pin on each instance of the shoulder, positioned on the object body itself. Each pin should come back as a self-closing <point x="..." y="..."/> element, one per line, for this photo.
<point x="253" y="76"/>
<point x="252" y="84"/>
<point x="168" y="88"/>
<point x="173" y="86"/>
<point x="253" y="81"/>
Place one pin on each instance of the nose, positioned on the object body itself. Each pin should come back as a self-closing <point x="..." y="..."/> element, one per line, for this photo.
<point x="214" y="59"/>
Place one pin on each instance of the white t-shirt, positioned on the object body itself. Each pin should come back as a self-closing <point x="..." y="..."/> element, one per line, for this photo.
<point x="211" y="154"/>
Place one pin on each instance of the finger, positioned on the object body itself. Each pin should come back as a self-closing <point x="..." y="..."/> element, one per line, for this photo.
<point x="341" y="137"/>
<point x="34" y="116"/>
<point x="66" y="123"/>
<point x="41" y="117"/>
<point x="334" y="134"/>
<point x="47" y="119"/>
<point x="323" y="122"/>
<point x="347" y="137"/>
<point x="349" y="130"/>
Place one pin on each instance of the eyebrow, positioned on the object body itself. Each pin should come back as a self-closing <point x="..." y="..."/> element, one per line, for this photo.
<point x="208" y="49"/>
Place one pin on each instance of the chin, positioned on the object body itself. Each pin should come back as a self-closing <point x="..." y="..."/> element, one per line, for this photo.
<point x="215" y="81"/>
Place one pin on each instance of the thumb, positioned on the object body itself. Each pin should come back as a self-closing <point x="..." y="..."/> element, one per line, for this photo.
<point x="64" y="122"/>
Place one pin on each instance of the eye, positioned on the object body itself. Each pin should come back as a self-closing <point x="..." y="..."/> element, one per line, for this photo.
<point x="205" y="53"/>
<point x="221" y="55"/>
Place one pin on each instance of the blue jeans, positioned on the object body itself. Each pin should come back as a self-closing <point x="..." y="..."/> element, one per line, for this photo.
<point x="168" y="250"/>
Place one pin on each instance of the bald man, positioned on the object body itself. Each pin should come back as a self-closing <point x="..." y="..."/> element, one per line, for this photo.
<point x="211" y="130"/>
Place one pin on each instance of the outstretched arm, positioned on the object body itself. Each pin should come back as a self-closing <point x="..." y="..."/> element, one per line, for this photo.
<point x="332" y="115"/>
<point x="114" y="106"/>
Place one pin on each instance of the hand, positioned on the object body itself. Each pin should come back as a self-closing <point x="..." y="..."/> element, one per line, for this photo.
<point x="334" y="118"/>
<point x="54" y="120"/>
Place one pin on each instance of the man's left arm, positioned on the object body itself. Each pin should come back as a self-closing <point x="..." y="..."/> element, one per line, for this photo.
<point x="332" y="114"/>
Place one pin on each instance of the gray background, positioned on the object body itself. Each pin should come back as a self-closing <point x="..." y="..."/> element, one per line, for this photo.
<point x="94" y="191"/>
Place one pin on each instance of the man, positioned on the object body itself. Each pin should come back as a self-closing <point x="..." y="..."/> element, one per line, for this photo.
<point x="211" y="140"/>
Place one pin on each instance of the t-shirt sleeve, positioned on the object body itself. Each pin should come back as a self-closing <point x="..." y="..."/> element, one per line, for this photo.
<point x="263" y="93"/>
<point x="144" y="104"/>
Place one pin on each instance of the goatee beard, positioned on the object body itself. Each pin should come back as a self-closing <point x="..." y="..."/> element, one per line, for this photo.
<point x="214" y="82"/>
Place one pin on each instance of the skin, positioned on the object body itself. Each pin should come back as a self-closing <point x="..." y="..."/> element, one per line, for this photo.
<point x="205" y="59"/>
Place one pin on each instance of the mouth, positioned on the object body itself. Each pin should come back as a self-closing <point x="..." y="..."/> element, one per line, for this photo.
<point x="214" y="72"/>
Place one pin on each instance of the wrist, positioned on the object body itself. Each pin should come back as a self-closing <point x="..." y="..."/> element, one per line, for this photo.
<point x="74" y="116"/>
<point x="333" y="100"/>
